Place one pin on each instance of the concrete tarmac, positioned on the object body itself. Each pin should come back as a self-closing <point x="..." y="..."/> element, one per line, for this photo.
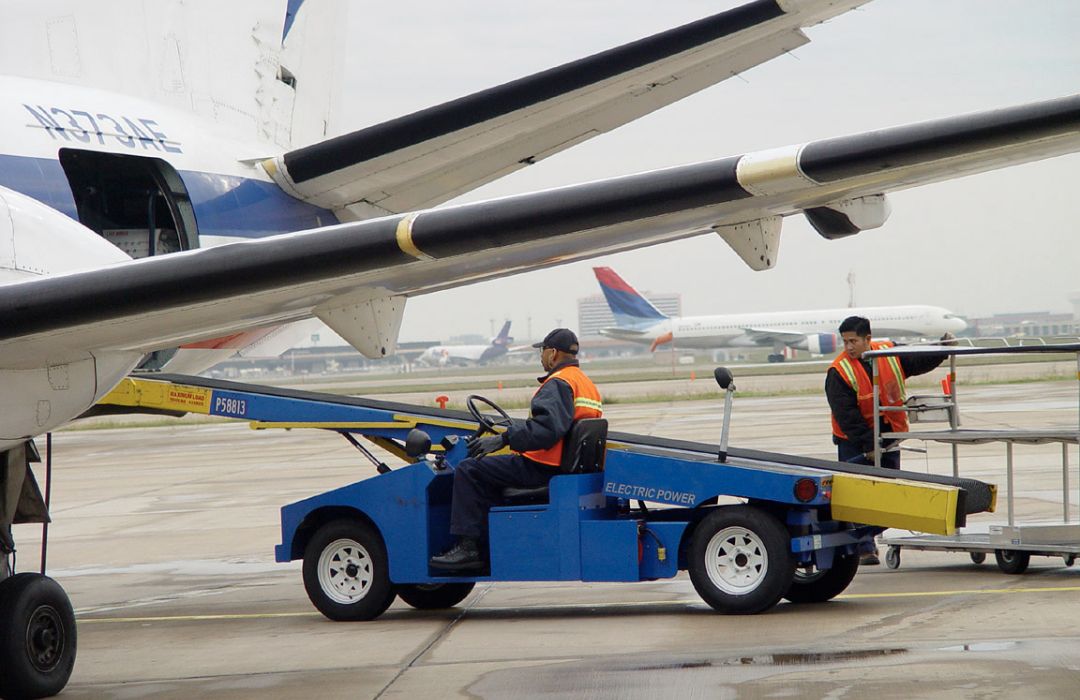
<point x="164" y="539"/>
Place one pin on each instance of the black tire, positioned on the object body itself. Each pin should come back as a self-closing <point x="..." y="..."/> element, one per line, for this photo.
<point x="740" y="560"/>
<point x="346" y="572"/>
<point x="37" y="637"/>
<point x="892" y="557"/>
<point x="434" y="596"/>
<point x="1069" y="560"/>
<point x="820" y="586"/>
<point x="978" y="557"/>
<point x="1012" y="561"/>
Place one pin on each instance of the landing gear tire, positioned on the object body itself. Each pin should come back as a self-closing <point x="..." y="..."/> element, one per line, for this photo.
<point x="978" y="557"/>
<point x="1069" y="560"/>
<point x="346" y="571"/>
<point x="820" y="586"/>
<point x="37" y="637"/>
<point x="740" y="560"/>
<point x="892" y="557"/>
<point x="1012" y="561"/>
<point x="778" y="357"/>
<point x="434" y="596"/>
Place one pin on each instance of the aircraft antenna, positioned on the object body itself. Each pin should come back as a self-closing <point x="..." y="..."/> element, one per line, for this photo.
<point x="851" y="289"/>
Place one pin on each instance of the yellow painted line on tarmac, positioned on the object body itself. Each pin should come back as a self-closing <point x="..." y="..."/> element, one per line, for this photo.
<point x="199" y="618"/>
<point x="572" y="606"/>
<point x="962" y="591"/>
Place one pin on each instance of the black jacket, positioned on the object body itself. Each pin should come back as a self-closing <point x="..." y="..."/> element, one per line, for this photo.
<point x="550" y="415"/>
<point x="844" y="402"/>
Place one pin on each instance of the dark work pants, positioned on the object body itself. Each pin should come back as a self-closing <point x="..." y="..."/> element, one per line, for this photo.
<point x="849" y="452"/>
<point x="478" y="485"/>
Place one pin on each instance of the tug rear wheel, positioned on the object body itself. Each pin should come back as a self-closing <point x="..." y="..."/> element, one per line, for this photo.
<point x="740" y="560"/>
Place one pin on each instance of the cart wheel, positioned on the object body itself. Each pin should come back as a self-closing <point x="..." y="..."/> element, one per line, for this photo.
<point x="740" y="560"/>
<point x="346" y="573"/>
<point x="1069" y="559"/>
<point x="37" y="637"/>
<point x="978" y="557"/>
<point x="434" y="596"/>
<point x="892" y="557"/>
<point x="1012" y="561"/>
<point x="820" y="586"/>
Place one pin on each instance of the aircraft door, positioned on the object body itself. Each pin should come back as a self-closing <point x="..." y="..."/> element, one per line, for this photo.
<point x="138" y="204"/>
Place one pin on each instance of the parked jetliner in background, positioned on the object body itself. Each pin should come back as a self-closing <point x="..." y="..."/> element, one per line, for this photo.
<point x="815" y="330"/>
<point x="442" y="355"/>
<point x="141" y="123"/>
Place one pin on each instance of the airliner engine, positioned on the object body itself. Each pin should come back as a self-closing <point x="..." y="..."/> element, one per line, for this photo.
<point x="821" y="343"/>
<point x="44" y="392"/>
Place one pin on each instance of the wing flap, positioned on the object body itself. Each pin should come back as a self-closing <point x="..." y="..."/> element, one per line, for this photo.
<point x="764" y="336"/>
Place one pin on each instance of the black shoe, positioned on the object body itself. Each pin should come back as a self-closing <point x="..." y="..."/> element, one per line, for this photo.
<point x="869" y="559"/>
<point x="463" y="556"/>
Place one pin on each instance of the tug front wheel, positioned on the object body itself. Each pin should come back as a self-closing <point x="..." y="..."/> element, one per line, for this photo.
<point x="740" y="560"/>
<point x="346" y="571"/>
<point x="434" y="596"/>
<point x="37" y="637"/>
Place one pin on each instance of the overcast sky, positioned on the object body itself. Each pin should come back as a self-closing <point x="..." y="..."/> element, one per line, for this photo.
<point x="998" y="242"/>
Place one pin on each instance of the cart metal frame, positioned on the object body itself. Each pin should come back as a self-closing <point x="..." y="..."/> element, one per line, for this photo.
<point x="1013" y="543"/>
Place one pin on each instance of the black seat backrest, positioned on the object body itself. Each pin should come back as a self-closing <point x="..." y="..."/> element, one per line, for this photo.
<point x="584" y="447"/>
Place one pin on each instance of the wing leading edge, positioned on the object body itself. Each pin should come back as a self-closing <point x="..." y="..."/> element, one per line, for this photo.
<point x="433" y="155"/>
<point x="356" y="276"/>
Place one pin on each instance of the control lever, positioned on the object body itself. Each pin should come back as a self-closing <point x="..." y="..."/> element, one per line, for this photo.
<point x="726" y="380"/>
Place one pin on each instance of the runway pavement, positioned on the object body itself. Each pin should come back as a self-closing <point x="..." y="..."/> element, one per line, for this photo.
<point x="164" y="539"/>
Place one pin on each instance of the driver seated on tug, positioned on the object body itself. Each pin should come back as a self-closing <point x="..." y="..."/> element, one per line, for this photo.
<point x="565" y="395"/>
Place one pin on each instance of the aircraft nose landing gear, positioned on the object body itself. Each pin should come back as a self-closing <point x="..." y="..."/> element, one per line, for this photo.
<point x="37" y="623"/>
<point x="37" y="637"/>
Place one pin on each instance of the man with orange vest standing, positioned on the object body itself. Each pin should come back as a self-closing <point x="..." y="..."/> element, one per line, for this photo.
<point x="565" y="395"/>
<point x="851" y="397"/>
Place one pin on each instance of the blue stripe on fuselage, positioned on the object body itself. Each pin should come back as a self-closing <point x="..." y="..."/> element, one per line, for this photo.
<point x="40" y="178"/>
<point x="225" y="205"/>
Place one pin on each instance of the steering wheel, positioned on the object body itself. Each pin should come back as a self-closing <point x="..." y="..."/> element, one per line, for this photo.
<point x="486" y="424"/>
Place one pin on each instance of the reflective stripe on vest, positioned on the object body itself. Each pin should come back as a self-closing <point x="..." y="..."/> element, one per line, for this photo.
<point x="587" y="404"/>
<point x="891" y="390"/>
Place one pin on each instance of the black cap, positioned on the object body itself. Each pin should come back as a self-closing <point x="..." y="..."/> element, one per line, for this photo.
<point x="560" y="339"/>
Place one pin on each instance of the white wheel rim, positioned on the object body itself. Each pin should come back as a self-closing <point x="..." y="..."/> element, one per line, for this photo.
<point x="736" y="561"/>
<point x="345" y="571"/>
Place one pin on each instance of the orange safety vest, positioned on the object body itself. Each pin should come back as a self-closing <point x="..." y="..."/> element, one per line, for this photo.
<point x="587" y="404"/>
<point x="891" y="392"/>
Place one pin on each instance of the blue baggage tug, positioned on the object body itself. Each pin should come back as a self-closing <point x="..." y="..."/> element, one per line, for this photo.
<point x="629" y="507"/>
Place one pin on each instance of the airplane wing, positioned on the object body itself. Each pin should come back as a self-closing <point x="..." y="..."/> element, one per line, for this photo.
<point x="357" y="276"/>
<point x="433" y="155"/>
<point x="767" y="336"/>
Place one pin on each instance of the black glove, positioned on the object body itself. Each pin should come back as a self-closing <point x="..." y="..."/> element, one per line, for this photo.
<point x="480" y="446"/>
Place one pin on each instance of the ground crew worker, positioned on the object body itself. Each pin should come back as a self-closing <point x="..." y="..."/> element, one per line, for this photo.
<point x="851" y="398"/>
<point x="565" y="395"/>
